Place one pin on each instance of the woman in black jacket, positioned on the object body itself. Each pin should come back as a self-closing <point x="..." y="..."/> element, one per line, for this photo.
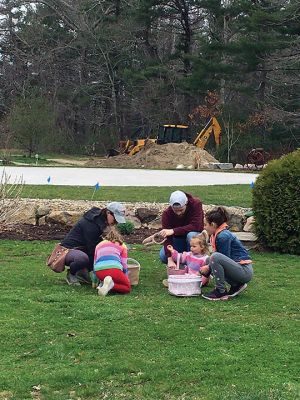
<point x="83" y="238"/>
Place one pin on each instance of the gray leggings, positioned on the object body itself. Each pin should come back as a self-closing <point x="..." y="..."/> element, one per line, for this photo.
<point x="224" y="269"/>
<point x="77" y="260"/>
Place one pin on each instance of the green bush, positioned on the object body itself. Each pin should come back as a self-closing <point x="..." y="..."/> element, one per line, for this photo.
<point x="276" y="204"/>
<point x="126" y="228"/>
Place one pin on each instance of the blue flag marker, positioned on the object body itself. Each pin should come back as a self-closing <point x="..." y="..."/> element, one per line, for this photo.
<point x="252" y="185"/>
<point x="49" y="179"/>
<point x="96" y="187"/>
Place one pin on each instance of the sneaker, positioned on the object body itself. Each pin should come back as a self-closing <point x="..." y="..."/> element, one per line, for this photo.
<point x="108" y="284"/>
<point x="165" y="283"/>
<point x="235" y="290"/>
<point x="72" y="280"/>
<point x="84" y="276"/>
<point x="216" y="295"/>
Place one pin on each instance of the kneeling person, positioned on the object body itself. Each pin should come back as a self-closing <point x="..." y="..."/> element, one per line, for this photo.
<point x="230" y="261"/>
<point x="110" y="264"/>
<point x="182" y="220"/>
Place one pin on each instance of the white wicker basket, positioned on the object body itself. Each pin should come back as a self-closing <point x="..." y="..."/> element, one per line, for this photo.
<point x="184" y="285"/>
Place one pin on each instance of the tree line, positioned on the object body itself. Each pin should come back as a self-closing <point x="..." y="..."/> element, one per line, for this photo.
<point x="77" y="76"/>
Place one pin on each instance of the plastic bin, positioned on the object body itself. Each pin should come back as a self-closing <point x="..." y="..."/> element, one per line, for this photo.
<point x="133" y="271"/>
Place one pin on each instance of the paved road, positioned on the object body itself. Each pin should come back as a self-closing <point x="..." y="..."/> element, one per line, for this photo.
<point x="123" y="177"/>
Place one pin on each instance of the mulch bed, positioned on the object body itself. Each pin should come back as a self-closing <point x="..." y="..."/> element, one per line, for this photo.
<point x="57" y="232"/>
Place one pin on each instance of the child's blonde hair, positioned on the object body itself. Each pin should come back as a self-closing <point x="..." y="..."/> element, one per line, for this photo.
<point x="201" y="239"/>
<point x="113" y="235"/>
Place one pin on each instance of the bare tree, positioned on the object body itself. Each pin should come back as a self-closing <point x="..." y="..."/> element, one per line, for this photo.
<point x="10" y="193"/>
<point x="231" y="134"/>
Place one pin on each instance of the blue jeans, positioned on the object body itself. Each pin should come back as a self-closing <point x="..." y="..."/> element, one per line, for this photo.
<point x="180" y="243"/>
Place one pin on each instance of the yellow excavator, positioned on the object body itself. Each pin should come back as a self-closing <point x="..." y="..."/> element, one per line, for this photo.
<point x="212" y="127"/>
<point x="166" y="134"/>
<point x="171" y="133"/>
<point x="132" y="147"/>
<point x="180" y="133"/>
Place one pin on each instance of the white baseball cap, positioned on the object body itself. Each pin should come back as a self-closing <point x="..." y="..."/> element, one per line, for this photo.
<point x="118" y="211"/>
<point x="178" y="199"/>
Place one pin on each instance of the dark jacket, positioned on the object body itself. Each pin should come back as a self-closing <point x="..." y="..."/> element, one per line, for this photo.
<point x="191" y="221"/>
<point x="87" y="233"/>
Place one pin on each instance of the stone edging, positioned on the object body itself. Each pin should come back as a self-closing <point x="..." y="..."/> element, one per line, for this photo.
<point x="41" y="211"/>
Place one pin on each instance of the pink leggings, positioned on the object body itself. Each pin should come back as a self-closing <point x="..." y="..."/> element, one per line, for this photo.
<point x="121" y="281"/>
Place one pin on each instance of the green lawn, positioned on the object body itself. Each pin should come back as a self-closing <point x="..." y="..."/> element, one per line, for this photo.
<point x="19" y="156"/>
<point x="60" y="343"/>
<point x="229" y="195"/>
<point x="32" y="160"/>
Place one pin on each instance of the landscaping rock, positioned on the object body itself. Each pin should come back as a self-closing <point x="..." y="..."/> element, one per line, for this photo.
<point x="238" y="166"/>
<point x="249" y="226"/>
<point x="146" y="215"/>
<point x="68" y="218"/>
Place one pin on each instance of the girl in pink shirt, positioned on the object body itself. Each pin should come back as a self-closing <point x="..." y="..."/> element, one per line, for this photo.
<point x="110" y="264"/>
<point x="194" y="259"/>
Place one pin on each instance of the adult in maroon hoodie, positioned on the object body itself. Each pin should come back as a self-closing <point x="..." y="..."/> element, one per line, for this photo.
<point x="182" y="220"/>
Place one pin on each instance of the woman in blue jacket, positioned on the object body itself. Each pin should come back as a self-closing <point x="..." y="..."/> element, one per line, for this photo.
<point x="230" y="261"/>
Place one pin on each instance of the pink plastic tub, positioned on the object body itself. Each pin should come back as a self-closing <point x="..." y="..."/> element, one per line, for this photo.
<point x="173" y="271"/>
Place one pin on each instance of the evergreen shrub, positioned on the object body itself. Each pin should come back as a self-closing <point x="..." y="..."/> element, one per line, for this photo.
<point x="126" y="228"/>
<point x="276" y="204"/>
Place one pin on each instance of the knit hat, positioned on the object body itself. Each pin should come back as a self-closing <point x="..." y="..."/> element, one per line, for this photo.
<point x="178" y="199"/>
<point x="118" y="211"/>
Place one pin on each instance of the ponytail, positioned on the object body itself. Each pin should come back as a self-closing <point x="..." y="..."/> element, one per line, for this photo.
<point x="113" y="235"/>
<point x="218" y="215"/>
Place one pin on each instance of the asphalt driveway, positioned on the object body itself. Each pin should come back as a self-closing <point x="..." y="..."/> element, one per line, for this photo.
<point x="124" y="177"/>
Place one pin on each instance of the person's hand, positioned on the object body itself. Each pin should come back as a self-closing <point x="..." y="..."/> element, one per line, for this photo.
<point x="170" y="248"/>
<point x="205" y="270"/>
<point x="171" y="264"/>
<point x="166" y="232"/>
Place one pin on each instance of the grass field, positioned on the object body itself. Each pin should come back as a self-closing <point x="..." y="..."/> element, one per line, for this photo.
<point x="19" y="156"/>
<point x="230" y="195"/>
<point x="61" y="343"/>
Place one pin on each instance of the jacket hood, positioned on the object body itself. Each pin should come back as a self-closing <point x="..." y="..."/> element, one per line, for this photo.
<point x="92" y="213"/>
<point x="191" y="200"/>
<point x="189" y="196"/>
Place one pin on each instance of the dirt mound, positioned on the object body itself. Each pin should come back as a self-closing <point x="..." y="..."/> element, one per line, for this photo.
<point x="68" y="161"/>
<point x="164" y="156"/>
<point x="58" y="232"/>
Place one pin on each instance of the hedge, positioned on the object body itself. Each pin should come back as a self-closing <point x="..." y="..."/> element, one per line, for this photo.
<point x="276" y="204"/>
